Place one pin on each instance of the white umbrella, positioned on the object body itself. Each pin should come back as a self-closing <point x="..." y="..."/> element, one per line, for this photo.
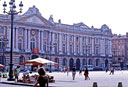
<point x="39" y="61"/>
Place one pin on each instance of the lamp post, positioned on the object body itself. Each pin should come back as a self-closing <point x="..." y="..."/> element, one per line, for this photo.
<point x="12" y="12"/>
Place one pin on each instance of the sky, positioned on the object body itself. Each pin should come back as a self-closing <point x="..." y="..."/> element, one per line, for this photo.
<point x="114" y="13"/>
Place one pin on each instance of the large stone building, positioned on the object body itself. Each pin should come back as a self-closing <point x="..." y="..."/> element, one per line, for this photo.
<point x="120" y="50"/>
<point x="34" y="36"/>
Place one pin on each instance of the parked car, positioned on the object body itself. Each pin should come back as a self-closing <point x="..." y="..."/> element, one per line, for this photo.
<point x="90" y="67"/>
<point x="98" y="69"/>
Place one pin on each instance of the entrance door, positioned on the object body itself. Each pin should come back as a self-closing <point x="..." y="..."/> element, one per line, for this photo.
<point x="71" y="62"/>
<point x="78" y="64"/>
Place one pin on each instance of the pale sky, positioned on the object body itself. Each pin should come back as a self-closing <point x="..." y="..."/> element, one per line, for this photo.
<point x="114" y="13"/>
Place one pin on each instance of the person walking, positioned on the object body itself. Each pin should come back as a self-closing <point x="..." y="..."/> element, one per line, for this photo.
<point x="67" y="70"/>
<point x="42" y="79"/>
<point x="86" y="73"/>
<point x="73" y="72"/>
<point x="80" y="72"/>
<point x="16" y="73"/>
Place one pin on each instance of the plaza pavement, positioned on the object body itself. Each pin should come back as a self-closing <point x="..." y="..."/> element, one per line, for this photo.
<point x="102" y="78"/>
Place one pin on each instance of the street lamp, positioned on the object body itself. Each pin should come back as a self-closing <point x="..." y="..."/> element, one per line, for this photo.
<point x="12" y="12"/>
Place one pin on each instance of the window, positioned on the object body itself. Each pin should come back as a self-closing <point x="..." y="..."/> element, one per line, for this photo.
<point x="77" y="39"/>
<point x="64" y="50"/>
<point x="45" y="34"/>
<point x="71" y="49"/>
<point x="97" y="50"/>
<point x="55" y="48"/>
<point x="19" y="44"/>
<point x="83" y="39"/>
<point x="20" y="32"/>
<point x="97" y="40"/>
<point x="89" y="50"/>
<point x="83" y="49"/>
<point x="1" y="44"/>
<point x="64" y="37"/>
<point x="71" y="37"/>
<point x="55" y="37"/>
<point x="77" y="49"/>
<point x="21" y="59"/>
<point x="1" y="29"/>
<point x="89" y="40"/>
<point x="44" y="46"/>
<point x="32" y="44"/>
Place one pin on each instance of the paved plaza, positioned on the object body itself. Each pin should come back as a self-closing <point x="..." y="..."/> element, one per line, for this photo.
<point x="102" y="78"/>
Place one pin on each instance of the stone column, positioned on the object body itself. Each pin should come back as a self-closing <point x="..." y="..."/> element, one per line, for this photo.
<point x="25" y="40"/>
<point x="74" y="45"/>
<point x="13" y="38"/>
<point x="9" y="37"/>
<point x="53" y="35"/>
<point x="68" y="44"/>
<point x="39" y="33"/>
<point x="93" y="46"/>
<point x="60" y="43"/>
<point x="16" y="39"/>
<point x="42" y="42"/>
<point x="29" y="37"/>
<point x="81" y="46"/>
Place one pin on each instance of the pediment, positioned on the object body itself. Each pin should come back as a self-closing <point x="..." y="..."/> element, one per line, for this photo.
<point x="34" y="19"/>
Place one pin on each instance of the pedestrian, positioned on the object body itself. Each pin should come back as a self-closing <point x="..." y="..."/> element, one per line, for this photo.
<point x="16" y="73"/>
<point x="106" y="69"/>
<point x="42" y="79"/>
<point x="112" y="71"/>
<point x="67" y="70"/>
<point x="80" y="72"/>
<point x="86" y="74"/>
<point x="73" y="72"/>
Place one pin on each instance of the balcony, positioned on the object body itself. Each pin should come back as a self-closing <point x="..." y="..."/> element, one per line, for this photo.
<point x="22" y="50"/>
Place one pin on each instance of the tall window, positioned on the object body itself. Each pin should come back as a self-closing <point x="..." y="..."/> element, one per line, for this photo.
<point x="71" y="37"/>
<point x="89" y="50"/>
<point x="71" y="49"/>
<point x="89" y="40"/>
<point x="64" y="37"/>
<point x="20" y="32"/>
<point x="55" y="47"/>
<point x="21" y="59"/>
<point x="77" y="49"/>
<point x="55" y="36"/>
<point x="44" y="46"/>
<point x="97" y="40"/>
<point x="32" y="43"/>
<point x="83" y="49"/>
<point x="77" y="39"/>
<point x="19" y="44"/>
<point x="97" y="50"/>
<point x="45" y="34"/>
<point x="64" y="50"/>
<point x="1" y="44"/>
<point x="1" y="29"/>
<point x="83" y="39"/>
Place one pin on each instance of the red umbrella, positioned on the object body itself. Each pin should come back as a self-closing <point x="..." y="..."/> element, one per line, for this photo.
<point x="2" y="66"/>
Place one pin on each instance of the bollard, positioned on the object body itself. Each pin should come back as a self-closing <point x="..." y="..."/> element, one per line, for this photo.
<point x="120" y="84"/>
<point x="95" y="84"/>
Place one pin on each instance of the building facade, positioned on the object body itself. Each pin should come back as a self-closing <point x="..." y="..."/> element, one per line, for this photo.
<point x="120" y="50"/>
<point x="69" y="45"/>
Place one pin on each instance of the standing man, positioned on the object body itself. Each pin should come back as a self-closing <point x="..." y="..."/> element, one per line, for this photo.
<point x="73" y="72"/>
<point x="16" y="73"/>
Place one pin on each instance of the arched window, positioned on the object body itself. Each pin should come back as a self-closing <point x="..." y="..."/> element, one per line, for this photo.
<point x="21" y="59"/>
<point x="32" y="43"/>
<point x="97" y="62"/>
<point x="64" y="62"/>
<point x="89" y="62"/>
<point x="44" y="46"/>
<point x="20" y="44"/>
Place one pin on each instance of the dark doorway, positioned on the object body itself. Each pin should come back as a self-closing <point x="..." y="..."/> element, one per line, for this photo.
<point x="71" y="62"/>
<point x="78" y="64"/>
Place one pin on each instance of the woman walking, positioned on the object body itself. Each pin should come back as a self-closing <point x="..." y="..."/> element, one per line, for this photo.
<point x="42" y="79"/>
<point x="86" y="74"/>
